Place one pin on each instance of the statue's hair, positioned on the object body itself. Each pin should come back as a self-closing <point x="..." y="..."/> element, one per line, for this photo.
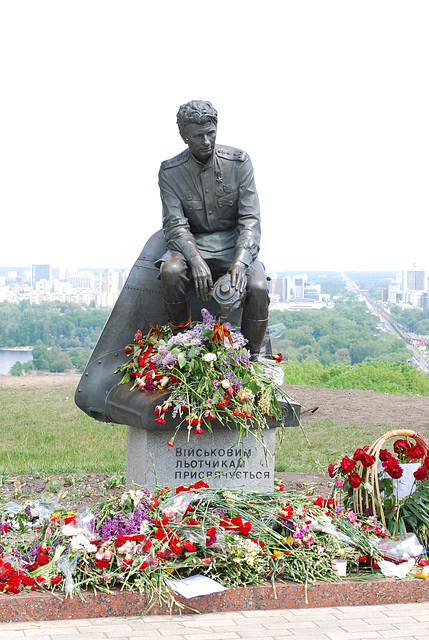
<point x="197" y="111"/>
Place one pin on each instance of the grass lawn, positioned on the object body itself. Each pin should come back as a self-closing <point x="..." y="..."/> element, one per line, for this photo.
<point x="43" y="431"/>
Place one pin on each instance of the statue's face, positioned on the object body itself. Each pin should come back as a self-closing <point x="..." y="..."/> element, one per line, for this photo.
<point x="201" y="139"/>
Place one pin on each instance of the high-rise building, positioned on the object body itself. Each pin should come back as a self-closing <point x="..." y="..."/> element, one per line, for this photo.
<point x="123" y="275"/>
<point x="40" y="272"/>
<point x="415" y="280"/>
<point x="414" y="284"/>
<point x="278" y="286"/>
<point x="108" y="281"/>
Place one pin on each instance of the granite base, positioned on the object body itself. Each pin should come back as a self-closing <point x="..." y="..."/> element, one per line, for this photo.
<point x="222" y="461"/>
<point x="40" y="606"/>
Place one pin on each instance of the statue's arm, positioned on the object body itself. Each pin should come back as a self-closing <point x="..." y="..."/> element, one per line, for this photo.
<point x="248" y="224"/>
<point x="175" y="225"/>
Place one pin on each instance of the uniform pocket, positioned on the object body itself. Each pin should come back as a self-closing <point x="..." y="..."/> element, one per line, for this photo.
<point x="228" y="200"/>
<point x="192" y="205"/>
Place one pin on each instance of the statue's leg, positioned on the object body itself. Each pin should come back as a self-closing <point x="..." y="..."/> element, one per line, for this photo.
<point x="175" y="282"/>
<point x="254" y="321"/>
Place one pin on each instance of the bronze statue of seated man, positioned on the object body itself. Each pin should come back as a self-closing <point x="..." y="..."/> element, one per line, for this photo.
<point x="211" y="224"/>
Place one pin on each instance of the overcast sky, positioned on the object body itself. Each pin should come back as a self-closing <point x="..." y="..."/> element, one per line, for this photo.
<point x="330" y="99"/>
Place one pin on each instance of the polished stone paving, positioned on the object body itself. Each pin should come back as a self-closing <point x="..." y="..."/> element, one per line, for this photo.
<point x="392" y="621"/>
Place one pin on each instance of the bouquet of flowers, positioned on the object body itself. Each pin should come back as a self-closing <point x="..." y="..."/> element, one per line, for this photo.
<point x="368" y="481"/>
<point x="136" y="541"/>
<point x="209" y="376"/>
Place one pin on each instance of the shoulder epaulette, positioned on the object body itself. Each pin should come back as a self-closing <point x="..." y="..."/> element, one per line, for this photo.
<point x="230" y="153"/>
<point x="174" y="162"/>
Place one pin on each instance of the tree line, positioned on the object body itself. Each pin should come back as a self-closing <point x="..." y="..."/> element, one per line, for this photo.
<point x="62" y="334"/>
<point x="346" y="333"/>
<point x="60" y="324"/>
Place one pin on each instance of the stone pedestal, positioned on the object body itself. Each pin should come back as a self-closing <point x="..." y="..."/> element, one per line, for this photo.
<point x="220" y="460"/>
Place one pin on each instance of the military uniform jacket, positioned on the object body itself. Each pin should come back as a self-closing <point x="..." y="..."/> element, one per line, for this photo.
<point x="210" y="208"/>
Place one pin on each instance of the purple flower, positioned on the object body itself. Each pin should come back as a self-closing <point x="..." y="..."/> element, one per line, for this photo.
<point x="27" y="511"/>
<point x="126" y="524"/>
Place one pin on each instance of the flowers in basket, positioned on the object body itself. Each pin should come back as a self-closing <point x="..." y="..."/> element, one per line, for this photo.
<point x="208" y="374"/>
<point x="369" y="483"/>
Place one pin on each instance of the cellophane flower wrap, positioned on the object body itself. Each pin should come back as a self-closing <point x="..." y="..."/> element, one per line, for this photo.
<point x="209" y="376"/>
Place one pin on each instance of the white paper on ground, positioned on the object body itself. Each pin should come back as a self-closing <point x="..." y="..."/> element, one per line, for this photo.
<point x="392" y="570"/>
<point x="194" y="586"/>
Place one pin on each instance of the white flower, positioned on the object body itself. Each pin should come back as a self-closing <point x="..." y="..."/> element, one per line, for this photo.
<point x="81" y="542"/>
<point x="225" y="384"/>
<point x="71" y="530"/>
<point x="209" y="357"/>
<point x="144" y="527"/>
<point x="368" y="488"/>
<point x="164" y="381"/>
<point x="127" y="547"/>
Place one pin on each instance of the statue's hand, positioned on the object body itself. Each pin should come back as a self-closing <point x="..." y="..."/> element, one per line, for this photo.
<point x="202" y="278"/>
<point x="238" y="276"/>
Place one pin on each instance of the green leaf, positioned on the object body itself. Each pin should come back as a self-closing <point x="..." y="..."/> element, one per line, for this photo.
<point x="126" y="378"/>
<point x="254" y="387"/>
<point x="181" y="360"/>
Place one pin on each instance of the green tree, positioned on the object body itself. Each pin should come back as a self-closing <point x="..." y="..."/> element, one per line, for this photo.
<point x="58" y="361"/>
<point x="40" y="356"/>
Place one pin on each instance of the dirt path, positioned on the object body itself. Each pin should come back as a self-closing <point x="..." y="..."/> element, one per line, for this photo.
<point x="363" y="407"/>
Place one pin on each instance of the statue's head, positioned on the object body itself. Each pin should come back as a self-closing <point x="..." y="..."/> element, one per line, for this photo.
<point x="197" y="122"/>
<point x="197" y="112"/>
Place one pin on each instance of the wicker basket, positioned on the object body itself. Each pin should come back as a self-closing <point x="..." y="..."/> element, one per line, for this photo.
<point x="371" y="473"/>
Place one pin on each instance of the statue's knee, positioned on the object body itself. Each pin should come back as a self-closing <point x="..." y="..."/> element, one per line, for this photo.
<point x="257" y="287"/>
<point x="173" y="270"/>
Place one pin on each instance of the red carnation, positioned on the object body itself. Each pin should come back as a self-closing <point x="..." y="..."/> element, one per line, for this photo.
<point x="176" y="548"/>
<point x="394" y="471"/>
<point x="42" y="560"/>
<point x="416" y="451"/>
<point x="421" y="473"/>
<point x="384" y="455"/>
<point x="347" y="465"/>
<point x="320" y="501"/>
<point x="400" y="446"/>
<point x="354" y="480"/>
<point x="367" y="460"/>
<point x="102" y="564"/>
<point x="331" y="470"/>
